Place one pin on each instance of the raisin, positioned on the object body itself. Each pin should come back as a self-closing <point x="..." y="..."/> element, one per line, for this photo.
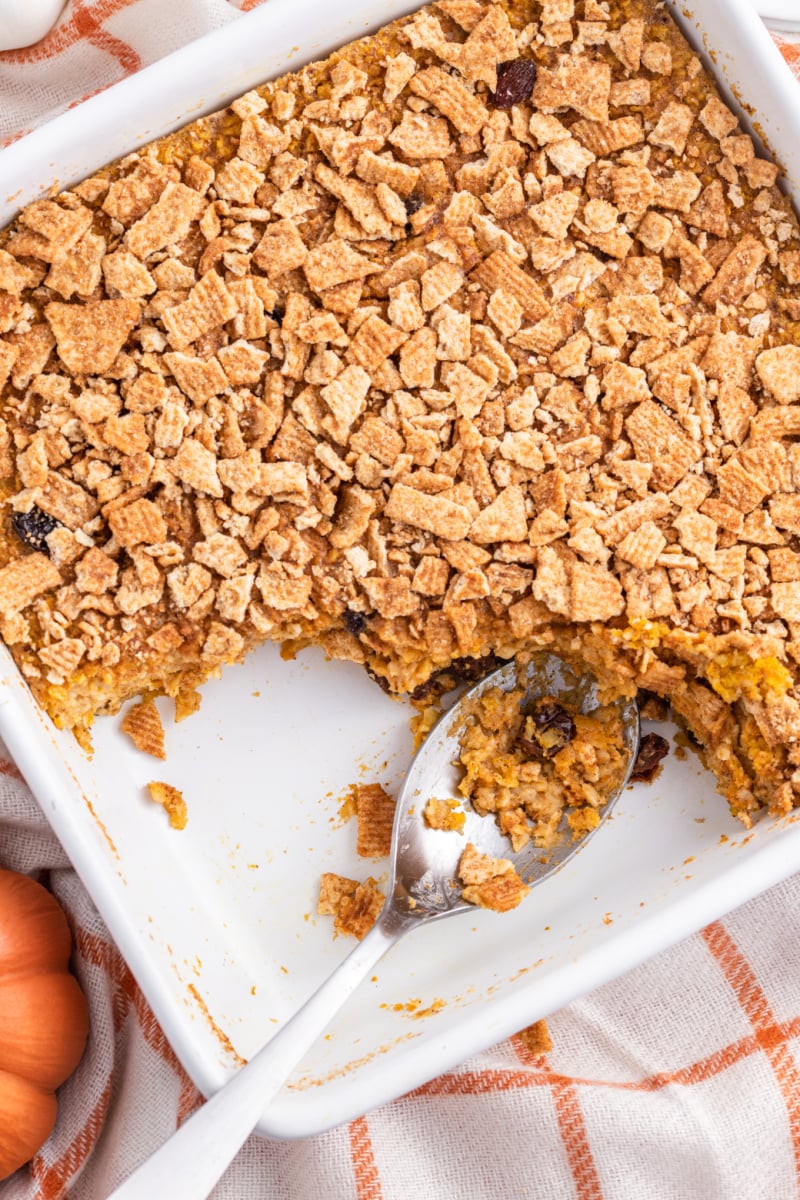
<point x="353" y="622"/>
<point x="548" y="715"/>
<point x="470" y="669"/>
<point x="33" y="527"/>
<point x="461" y="670"/>
<point x="515" y="80"/>
<point x="413" y="203"/>
<point x="548" y="728"/>
<point x="381" y="680"/>
<point x="529" y="747"/>
<point x="652" y="748"/>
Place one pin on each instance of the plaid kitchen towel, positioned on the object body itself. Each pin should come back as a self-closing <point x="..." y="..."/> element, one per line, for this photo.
<point x="680" y="1080"/>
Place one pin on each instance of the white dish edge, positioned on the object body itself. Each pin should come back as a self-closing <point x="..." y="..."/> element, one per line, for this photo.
<point x="99" y="123"/>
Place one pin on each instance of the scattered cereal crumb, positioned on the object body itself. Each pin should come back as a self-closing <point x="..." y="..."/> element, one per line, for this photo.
<point x="536" y="1038"/>
<point x="444" y="814"/>
<point x="172" y="800"/>
<point x="142" y="723"/>
<point x="354" y="906"/>
<point x="375" y="816"/>
<point x="187" y="702"/>
<point x="490" y="882"/>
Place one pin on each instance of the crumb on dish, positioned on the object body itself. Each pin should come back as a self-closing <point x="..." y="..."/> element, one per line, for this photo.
<point x="172" y="800"/>
<point x="375" y="810"/>
<point x="354" y="906"/>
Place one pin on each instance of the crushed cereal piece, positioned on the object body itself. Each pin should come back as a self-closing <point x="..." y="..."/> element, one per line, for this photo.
<point x="489" y="882"/>
<point x="536" y="1038"/>
<point x="21" y="581"/>
<point x="375" y="816"/>
<point x="166" y="222"/>
<point x="142" y="723"/>
<point x="171" y="798"/>
<point x="354" y="906"/>
<point x="444" y="814"/>
<point x="90" y="336"/>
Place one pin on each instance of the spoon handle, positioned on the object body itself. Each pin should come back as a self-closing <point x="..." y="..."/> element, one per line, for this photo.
<point x="192" y="1160"/>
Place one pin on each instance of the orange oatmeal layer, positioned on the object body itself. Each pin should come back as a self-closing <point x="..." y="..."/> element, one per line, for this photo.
<point x="481" y="335"/>
<point x="543" y="770"/>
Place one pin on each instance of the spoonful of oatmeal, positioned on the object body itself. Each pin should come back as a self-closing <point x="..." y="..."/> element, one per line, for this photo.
<point x="507" y="786"/>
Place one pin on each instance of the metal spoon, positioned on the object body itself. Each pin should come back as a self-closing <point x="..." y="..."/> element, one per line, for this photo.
<point x="422" y="888"/>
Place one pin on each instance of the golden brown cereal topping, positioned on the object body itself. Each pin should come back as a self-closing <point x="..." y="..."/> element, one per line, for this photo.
<point x="480" y="334"/>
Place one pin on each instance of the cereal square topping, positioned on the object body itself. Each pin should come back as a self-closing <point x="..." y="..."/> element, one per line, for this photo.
<point x="577" y="82"/>
<point x="451" y="98"/>
<point x="658" y="439"/>
<point x="355" y="906"/>
<point x="24" y="579"/>
<point x="419" y="354"/>
<point x="335" y="262"/>
<point x="90" y="336"/>
<point x="672" y="129"/>
<point x="166" y="222"/>
<point x="440" y="516"/>
<point x="142" y="723"/>
<point x="490" y="882"/>
<point x="421" y="136"/>
<point x="208" y="305"/>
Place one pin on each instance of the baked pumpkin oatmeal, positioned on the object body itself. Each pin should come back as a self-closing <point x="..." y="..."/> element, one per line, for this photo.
<point x="480" y="336"/>
<point x="542" y="768"/>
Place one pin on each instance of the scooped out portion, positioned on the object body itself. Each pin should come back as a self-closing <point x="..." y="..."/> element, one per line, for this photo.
<point x="542" y="771"/>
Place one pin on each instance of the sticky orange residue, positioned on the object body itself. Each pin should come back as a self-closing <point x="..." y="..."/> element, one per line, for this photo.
<point x="220" y="1034"/>
<point x="347" y="803"/>
<point x="409" y="1006"/>
<point x="413" y="1007"/>
<point x="437" y="1006"/>
<point x="307" y="1081"/>
<point x="101" y="826"/>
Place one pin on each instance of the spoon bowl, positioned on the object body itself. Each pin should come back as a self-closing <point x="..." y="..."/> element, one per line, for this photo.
<point x="423" y="867"/>
<point x="422" y="887"/>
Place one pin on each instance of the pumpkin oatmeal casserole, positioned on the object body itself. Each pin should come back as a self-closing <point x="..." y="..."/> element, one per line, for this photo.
<point x="480" y="336"/>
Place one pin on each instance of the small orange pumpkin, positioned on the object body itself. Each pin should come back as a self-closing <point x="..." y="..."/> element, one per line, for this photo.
<point x="44" y="1017"/>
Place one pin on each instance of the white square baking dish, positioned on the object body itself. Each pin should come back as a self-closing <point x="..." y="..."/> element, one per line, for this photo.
<point x="217" y="921"/>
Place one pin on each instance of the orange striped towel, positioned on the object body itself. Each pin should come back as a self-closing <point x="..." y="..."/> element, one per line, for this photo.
<point x="100" y="41"/>
<point x="680" y="1080"/>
